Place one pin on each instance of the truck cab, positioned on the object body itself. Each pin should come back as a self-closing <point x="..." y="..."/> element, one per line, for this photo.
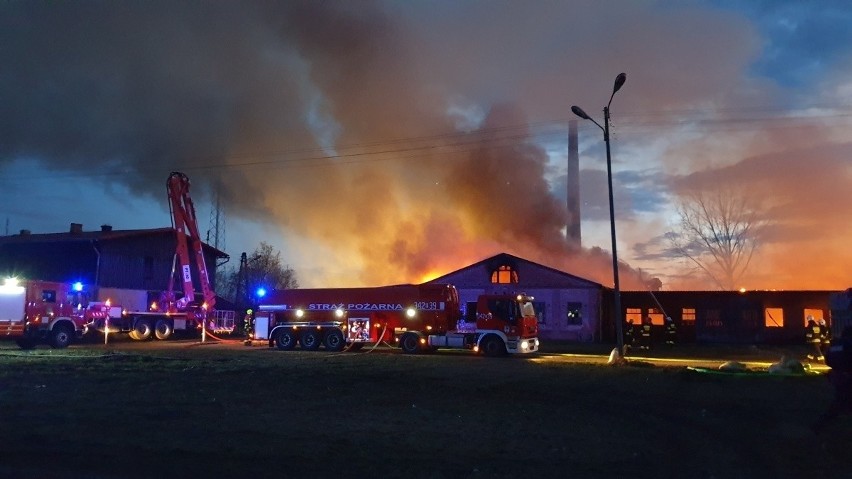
<point x="43" y="311"/>
<point x="501" y="323"/>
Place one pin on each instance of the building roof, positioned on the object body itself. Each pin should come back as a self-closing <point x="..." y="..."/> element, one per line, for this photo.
<point x="493" y="262"/>
<point x="105" y="234"/>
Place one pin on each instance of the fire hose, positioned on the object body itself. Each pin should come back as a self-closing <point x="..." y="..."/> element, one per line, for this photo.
<point x="217" y="338"/>
<point x="379" y="340"/>
<point x="353" y="343"/>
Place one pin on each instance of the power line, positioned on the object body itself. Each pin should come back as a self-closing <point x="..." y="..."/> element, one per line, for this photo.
<point x="457" y="143"/>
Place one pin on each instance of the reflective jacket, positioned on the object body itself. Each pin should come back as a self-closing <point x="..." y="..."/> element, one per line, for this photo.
<point x="812" y="332"/>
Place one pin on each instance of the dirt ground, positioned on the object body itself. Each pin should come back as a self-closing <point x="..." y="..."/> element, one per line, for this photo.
<point x="185" y="409"/>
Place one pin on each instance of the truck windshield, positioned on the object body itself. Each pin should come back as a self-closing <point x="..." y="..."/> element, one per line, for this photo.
<point x="505" y="309"/>
<point x="78" y="299"/>
<point x="527" y="309"/>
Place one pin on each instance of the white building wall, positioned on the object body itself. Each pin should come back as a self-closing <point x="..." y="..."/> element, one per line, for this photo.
<point x="556" y="300"/>
<point x="552" y="288"/>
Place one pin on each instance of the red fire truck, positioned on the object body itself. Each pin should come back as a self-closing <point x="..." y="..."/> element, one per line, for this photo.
<point x="42" y="311"/>
<point x="188" y="312"/>
<point x="416" y="318"/>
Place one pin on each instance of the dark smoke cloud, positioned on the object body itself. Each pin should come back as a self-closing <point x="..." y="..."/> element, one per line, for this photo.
<point x="286" y="106"/>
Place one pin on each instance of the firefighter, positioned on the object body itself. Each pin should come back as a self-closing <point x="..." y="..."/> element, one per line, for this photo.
<point x="671" y="331"/>
<point x="247" y="323"/>
<point x="645" y="334"/>
<point x="629" y="335"/>
<point x="825" y="335"/>
<point x="814" y="337"/>
<point x="839" y="359"/>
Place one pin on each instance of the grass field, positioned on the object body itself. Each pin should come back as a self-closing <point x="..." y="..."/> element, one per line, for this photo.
<point x="153" y="411"/>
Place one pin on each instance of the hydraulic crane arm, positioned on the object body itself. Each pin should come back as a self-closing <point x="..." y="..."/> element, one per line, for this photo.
<point x="185" y="224"/>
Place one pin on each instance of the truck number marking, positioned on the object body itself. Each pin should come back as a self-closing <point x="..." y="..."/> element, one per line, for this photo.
<point x="429" y="305"/>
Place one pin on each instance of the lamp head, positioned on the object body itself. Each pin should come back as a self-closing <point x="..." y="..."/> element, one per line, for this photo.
<point x="579" y="112"/>
<point x="619" y="82"/>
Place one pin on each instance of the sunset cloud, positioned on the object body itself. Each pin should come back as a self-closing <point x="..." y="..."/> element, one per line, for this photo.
<point x="381" y="142"/>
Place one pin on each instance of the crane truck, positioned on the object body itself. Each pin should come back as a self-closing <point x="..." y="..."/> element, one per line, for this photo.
<point x="34" y="312"/>
<point x="170" y="313"/>
<point x="415" y="318"/>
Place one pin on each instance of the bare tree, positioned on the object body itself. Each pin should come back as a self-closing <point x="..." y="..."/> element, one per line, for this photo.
<point x="719" y="231"/>
<point x="260" y="268"/>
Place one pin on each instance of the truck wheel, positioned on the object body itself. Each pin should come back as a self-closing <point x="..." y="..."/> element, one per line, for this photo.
<point x="60" y="337"/>
<point x="25" y="343"/>
<point x="334" y="340"/>
<point x="410" y="343"/>
<point x="311" y="340"/>
<point x="142" y="328"/>
<point x="286" y="340"/>
<point x="162" y="330"/>
<point x="492" y="346"/>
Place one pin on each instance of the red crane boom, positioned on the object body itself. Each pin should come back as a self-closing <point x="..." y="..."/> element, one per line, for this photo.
<point x="186" y="226"/>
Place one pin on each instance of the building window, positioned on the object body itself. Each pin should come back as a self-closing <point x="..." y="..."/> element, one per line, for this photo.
<point x="504" y="275"/>
<point x="574" y="314"/>
<point x="687" y="316"/>
<point x="540" y="311"/>
<point x="657" y="316"/>
<point x="634" y="315"/>
<point x="773" y="317"/>
<point x="751" y="318"/>
<point x="816" y="313"/>
<point x="712" y="319"/>
<point x="470" y="312"/>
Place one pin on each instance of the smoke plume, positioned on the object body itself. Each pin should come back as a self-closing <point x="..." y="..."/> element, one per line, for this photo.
<point x="383" y="142"/>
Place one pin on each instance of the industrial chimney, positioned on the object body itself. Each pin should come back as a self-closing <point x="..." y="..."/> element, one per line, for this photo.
<point x="573" y="173"/>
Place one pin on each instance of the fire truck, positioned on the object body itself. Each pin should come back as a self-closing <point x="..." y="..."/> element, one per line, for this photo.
<point x="190" y="312"/>
<point x="415" y="318"/>
<point x="32" y="312"/>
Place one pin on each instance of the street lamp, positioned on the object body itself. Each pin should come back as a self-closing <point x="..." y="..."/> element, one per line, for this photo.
<point x="619" y="82"/>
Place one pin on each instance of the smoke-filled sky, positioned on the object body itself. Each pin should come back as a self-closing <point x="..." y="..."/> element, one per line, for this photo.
<point x="378" y="142"/>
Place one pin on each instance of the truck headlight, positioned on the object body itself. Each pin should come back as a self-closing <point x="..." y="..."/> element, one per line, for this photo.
<point x="525" y="345"/>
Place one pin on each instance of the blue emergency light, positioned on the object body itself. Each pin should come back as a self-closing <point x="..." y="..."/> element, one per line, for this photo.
<point x="261" y="292"/>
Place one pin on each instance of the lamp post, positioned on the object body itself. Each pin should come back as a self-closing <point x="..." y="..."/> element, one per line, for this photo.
<point x="619" y="82"/>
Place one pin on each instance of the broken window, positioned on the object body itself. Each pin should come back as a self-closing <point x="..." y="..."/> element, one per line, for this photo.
<point x="773" y="317"/>
<point x="634" y="314"/>
<point x="817" y="314"/>
<point x="574" y="313"/>
<point x="657" y="317"/>
<point x="687" y="316"/>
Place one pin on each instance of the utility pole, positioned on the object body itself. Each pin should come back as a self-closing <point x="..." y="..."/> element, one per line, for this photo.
<point x="217" y="226"/>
